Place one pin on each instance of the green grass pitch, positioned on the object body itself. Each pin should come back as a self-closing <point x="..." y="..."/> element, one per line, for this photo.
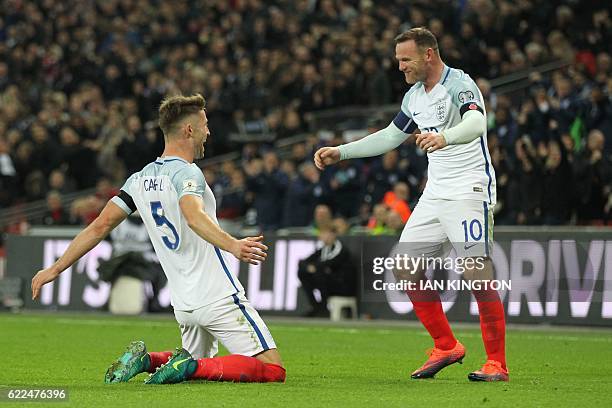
<point x="327" y="365"/>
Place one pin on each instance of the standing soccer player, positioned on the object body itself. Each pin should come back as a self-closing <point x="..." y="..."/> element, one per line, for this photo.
<point x="178" y="210"/>
<point x="457" y="204"/>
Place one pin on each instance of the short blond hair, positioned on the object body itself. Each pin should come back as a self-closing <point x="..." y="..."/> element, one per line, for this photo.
<point x="174" y="108"/>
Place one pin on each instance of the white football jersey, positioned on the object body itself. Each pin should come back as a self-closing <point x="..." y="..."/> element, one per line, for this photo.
<point x="461" y="171"/>
<point x="197" y="271"/>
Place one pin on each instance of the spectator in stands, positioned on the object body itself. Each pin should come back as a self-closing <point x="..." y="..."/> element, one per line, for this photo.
<point x="59" y="183"/>
<point x="597" y="112"/>
<point x="55" y="214"/>
<point x="383" y="176"/>
<point x="322" y="218"/>
<point x="303" y="194"/>
<point x="274" y="64"/>
<point x="394" y="223"/>
<point x="233" y="202"/>
<point x="79" y="160"/>
<point x="133" y="150"/>
<point x="8" y="175"/>
<point x="84" y="210"/>
<point x="524" y="191"/>
<point x="503" y="175"/>
<point x="45" y="152"/>
<point x="505" y="127"/>
<point x="397" y="201"/>
<point x="344" y="184"/>
<point x="593" y="172"/>
<point x="557" y="186"/>
<point x="377" y="224"/>
<point x="329" y="270"/>
<point x="268" y="184"/>
<point x="341" y="226"/>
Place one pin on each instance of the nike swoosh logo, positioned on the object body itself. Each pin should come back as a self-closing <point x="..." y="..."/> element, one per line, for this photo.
<point x="466" y="246"/>
<point x="416" y="113"/>
<point x="176" y="364"/>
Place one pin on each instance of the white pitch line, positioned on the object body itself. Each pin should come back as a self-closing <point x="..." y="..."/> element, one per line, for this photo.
<point x="93" y="322"/>
<point x="169" y="323"/>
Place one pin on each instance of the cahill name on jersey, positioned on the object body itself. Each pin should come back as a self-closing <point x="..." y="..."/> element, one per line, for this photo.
<point x="198" y="272"/>
<point x="456" y="172"/>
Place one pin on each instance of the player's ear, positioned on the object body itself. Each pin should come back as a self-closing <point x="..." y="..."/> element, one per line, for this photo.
<point x="429" y="54"/>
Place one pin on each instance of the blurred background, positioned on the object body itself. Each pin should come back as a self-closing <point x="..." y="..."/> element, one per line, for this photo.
<point x="81" y="81"/>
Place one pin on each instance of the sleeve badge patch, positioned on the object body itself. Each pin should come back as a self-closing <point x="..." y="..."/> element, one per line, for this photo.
<point x="465" y="96"/>
<point x="190" y="186"/>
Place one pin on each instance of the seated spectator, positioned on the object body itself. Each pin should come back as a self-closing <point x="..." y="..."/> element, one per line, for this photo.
<point x="232" y="204"/>
<point x="376" y="224"/>
<point x="59" y="182"/>
<point x="84" y="210"/>
<point x="394" y="223"/>
<point x="322" y="218"/>
<point x="341" y="226"/>
<point x="55" y="214"/>
<point x="330" y="270"/>
<point x="397" y="201"/>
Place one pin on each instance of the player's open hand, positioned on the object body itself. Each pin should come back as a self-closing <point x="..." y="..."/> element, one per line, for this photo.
<point x="430" y="141"/>
<point x="250" y="250"/>
<point x="40" y="279"/>
<point x="326" y="156"/>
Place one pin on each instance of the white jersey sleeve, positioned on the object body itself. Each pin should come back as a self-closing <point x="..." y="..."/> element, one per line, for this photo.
<point x="189" y="180"/>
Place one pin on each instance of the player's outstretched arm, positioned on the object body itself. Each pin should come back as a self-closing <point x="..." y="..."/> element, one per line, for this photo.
<point x="249" y="249"/>
<point x="374" y="144"/>
<point x="91" y="236"/>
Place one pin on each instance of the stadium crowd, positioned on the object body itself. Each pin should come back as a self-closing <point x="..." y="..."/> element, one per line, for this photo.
<point x="80" y="82"/>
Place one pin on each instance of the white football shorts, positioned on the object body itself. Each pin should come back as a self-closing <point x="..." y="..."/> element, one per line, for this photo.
<point x="437" y="226"/>
<point x="232" y="321"/>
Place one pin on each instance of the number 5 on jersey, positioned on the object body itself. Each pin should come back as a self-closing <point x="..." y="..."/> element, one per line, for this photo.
<point x="160" y="220"/>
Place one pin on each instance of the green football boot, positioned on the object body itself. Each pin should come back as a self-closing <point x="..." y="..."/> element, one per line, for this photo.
<point x="179" y="368"/>
<point x="134" y="361"/>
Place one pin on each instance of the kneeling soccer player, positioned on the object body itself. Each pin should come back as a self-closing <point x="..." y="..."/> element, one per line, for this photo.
<point x="178" y="210"/>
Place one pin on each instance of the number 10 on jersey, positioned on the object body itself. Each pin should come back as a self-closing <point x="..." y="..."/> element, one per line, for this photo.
<point x="474" y="229"/>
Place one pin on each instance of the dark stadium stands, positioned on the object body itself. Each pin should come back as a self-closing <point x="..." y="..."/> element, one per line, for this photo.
<point x="80" y="83"/>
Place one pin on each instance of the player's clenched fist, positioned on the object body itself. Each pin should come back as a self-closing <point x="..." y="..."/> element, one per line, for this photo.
<point x="430" y="141"/>
<point x="326" y="156"/>
<point x="42" y="277"/>
<point x="250" y="250"/>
